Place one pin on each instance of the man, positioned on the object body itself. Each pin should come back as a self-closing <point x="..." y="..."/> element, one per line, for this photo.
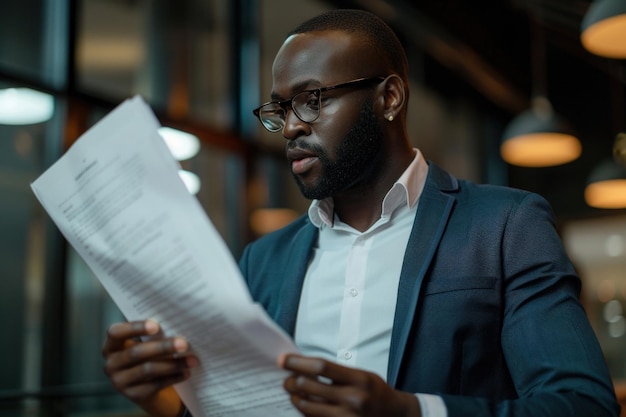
<point x="410" y="292"/>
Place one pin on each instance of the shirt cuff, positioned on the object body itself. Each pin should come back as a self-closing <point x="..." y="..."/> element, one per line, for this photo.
<point x="432" y="405"/>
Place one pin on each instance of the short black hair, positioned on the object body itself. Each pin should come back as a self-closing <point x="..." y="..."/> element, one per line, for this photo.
<point x="374" y="30"/>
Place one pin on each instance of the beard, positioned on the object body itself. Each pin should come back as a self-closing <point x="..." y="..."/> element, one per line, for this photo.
<point x="355" y="159"/>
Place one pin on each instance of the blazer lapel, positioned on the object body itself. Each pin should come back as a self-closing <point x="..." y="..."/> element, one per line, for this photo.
<point x="301" y="247"/>
<point x="432" y="215"/>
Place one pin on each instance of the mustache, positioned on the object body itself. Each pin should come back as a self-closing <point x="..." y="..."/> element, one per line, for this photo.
<point x="304" y="145"/>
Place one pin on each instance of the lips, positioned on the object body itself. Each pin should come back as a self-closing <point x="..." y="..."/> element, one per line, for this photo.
<point x="301" y="160"/>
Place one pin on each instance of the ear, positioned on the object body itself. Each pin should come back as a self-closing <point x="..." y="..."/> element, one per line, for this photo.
<point x="394" y="97"/>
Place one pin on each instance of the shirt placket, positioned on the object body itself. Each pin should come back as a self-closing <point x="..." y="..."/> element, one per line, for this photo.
<point x="351" y="309"/>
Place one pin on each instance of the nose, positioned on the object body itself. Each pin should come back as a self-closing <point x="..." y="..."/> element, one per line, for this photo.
<point x="294" y="127"/>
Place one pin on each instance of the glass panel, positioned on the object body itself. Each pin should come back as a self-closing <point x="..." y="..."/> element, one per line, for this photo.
<point x="24" y="151"/>
<point x="276" y="22"/>
<point x="273" y="196"/>
<point x="90" y="311"/>
<point x="222" y="181"/>
<point x="33" y="40"/>
<point x="21" y="44"/>
<point x="598" y="249"/>
<point x="175" y="54"/>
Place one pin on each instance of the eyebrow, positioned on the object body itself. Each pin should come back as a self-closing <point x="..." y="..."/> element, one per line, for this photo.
<point x="299" y="87"/>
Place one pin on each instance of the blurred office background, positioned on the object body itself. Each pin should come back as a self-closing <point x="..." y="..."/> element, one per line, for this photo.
<point x="203" y="65"/>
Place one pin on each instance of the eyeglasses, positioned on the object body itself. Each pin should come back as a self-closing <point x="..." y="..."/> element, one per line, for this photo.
<point x="306" y="105"/>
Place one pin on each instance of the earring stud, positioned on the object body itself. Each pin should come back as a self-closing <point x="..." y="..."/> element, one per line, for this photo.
<point x="390" y="118"/>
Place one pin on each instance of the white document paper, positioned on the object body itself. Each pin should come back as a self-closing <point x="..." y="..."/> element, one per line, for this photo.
<point x="117" y="198"/>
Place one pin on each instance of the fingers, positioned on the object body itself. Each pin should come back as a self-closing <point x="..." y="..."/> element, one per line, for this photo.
<point x="163" y="370"/>
<point x="139" y="352"/>
<point x="317" y="409"/>
<point x="315" y="398"/>
<point x="119" y="333"/>
<point x="146" y="354"/>
<point x="339" y="375"/>
<point x="147" y="379"/>
<point x="321" y="388"/>
<point x="316" y="381"/>
<point x="141" y="365"/>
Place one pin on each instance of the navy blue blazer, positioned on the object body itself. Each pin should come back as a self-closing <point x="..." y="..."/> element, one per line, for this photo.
<point x="488" y="313"/>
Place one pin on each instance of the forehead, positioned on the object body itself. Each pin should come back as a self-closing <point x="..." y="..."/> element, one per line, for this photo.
<point x="313" y="59"/>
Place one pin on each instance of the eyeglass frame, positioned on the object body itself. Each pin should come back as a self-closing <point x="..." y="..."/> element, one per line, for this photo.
<point x="284" y="104"/>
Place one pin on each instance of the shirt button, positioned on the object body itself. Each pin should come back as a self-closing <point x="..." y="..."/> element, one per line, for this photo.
<point x="354" y="292"/>
<point x="347" y="355"/>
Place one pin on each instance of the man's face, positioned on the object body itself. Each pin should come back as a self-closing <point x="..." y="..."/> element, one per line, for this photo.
<point x="354" y="157"/>
<point x="339" y="149"/>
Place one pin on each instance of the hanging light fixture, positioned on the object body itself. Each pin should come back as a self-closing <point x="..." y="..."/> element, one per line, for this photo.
<point x="181" y="144"/>
<point x="538" y="137"/>
<point x="25" y="106"/>
<point x="191" y="181"/>
<point x="619" y="148"/>
<point x="606" y="186"/>
<point x="603" y="29"/>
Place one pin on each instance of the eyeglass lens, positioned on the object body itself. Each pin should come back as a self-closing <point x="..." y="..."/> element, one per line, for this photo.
<point x="273" y="117"/>
<point x="306" y="105"/>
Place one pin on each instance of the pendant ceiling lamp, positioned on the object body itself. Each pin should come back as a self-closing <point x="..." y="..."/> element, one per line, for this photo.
<point x="24" y="106"/>
<point x="606" y="186"/>
<point x="603" y="29"/>
<point x="619" y="148"/>
<point x="538" y="137"/>
<point x="181" y="144"/>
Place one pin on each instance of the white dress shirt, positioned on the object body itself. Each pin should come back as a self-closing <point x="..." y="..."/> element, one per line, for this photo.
<point x="348" y="298"/>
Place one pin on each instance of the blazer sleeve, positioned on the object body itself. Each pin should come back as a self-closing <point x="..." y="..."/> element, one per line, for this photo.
<point x="554" y="358"/>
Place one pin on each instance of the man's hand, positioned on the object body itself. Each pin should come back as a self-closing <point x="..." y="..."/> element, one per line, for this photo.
<point x="321" y="388"/>
<point x="144" y="371"/>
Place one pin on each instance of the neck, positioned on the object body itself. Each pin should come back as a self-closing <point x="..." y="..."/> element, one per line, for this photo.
<point x="360" y="206"/>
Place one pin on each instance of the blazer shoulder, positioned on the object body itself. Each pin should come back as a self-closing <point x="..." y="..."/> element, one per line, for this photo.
<point x="469" y="193"/>
<point x="280" y="244"/>
<point x="277" y="261"/>
<point x="286" y="234"/>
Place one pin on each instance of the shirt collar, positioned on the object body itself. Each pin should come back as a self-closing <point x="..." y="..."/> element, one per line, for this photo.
<point x="405" y="191"/>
